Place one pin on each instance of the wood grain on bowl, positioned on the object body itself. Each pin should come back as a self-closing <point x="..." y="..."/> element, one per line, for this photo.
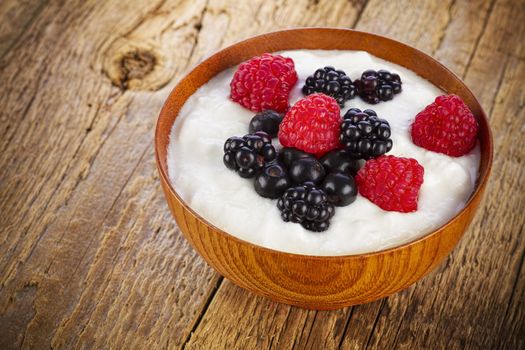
<point x="310" y="281"/>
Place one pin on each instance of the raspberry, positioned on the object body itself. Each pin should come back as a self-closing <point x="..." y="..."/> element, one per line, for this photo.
<point x="312" y="125"/>
<point x="264" y="82"/>
<point x="446" y="126"/>
<point x="391" y="183"/>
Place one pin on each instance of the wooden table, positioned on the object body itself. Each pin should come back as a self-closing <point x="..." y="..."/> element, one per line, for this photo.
<point x="90" y="257"/>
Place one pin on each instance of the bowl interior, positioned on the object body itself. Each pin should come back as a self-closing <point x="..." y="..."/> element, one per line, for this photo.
<point x="327" y="39"/>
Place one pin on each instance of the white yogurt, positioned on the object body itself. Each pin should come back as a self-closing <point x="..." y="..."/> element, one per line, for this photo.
<point x="230" y="203"/>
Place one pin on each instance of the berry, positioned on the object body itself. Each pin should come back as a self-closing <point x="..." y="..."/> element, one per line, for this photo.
<point x="312" y="125"/>
<point x="391" y="183"/>
<point x="374" y="87"/>
<point x="340" y="161"/>
<point x="364" y="135"/>
<point x="288" y="155"/>
<point x="307" y="205"/>
<point x="331" y="82"/>
<point x="340" y="189"/>
<point x="306" y="170"/>
<point x="272" y="181"/>
<point x="248" y="154"/>
<point x="446" y="126"/>
<point x="264" y="82"/>
<point x="267" y="121"/>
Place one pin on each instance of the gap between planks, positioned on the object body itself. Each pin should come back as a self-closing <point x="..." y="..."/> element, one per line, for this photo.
<point x="200" y="316"/>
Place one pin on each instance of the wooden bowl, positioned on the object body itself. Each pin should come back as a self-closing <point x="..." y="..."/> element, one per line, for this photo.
<point x="319" y="282"/>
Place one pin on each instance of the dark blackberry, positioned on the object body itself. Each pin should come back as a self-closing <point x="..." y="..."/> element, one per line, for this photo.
<point x="331" y="82"/>
<point x="364" y="135"/>
<point x="374" y="87"/>
<point x="267" y="121"/>
<point x="307" y="205"/>
<point x="247" y="155"/>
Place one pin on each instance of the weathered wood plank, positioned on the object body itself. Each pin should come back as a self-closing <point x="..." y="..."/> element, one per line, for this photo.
<point x="16" y="16"/>
<point x="87" y="238"/>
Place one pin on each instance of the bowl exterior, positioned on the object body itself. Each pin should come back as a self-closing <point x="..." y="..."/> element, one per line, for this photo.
<point x="316" y="282"/>
<point x="310" y="281"/>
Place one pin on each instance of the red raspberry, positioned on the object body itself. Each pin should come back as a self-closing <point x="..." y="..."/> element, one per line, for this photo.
<point x="446" y="126"/>
<point x="312" y="125"/>
<point x="391" y="183"/>
<point x="264" y="82"/>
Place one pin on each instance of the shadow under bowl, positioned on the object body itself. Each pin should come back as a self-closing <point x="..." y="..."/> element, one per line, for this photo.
<point x="319" y="282"/>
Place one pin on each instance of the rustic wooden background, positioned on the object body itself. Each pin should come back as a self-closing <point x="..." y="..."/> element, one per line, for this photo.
<point x="89" y="254"/>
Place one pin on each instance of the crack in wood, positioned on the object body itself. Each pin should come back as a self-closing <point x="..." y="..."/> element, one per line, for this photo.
<point x="33" y="288"/>
<point x="345" y="329"/>
<point x="23" y="115"/>
<point x="205" y="307"/>
<point x="444" y="30"/>
<point x="478" y="39"/>
<point x="515" y="283"/>
<point x="498" y="87"/>
<point x="302" y="329"/>
<point x="375" y="323"/>
<point x="311" y="327"/>
<point x="362" y="6"/>
<point x="285" y="321"/>
<point x="198" y="28"/>
<point x="396" y="337"/>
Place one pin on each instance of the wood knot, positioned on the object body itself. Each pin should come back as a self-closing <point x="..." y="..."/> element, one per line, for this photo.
<point x="132" y="65"/>
<point x="135" y="65"/>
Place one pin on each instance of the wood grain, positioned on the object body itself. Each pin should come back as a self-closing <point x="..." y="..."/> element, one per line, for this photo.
<point x="64" y="124"/>
<point x="81" y="246"/>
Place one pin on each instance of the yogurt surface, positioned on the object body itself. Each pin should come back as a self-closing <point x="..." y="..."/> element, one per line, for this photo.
<point x="230" y="202"/>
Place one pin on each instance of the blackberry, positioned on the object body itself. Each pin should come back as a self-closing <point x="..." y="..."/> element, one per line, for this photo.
<point x="307" y="205"/>
<point x="331" y="82"/>
<point x="247" y="155"/>
<point x="374" y="87"/>
<point x="364" y="135"/>
<point x="267" y="121"/>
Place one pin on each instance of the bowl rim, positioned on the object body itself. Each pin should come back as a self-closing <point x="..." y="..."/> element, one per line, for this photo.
<point x="162" y="164"/>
